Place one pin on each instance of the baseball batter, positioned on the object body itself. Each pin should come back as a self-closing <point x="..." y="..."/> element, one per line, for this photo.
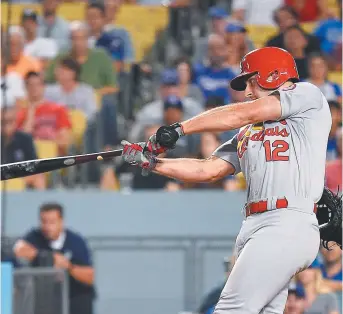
<point x="281" y="150"/>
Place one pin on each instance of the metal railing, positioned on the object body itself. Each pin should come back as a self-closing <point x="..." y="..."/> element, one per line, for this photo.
<point x="40" y="291"/>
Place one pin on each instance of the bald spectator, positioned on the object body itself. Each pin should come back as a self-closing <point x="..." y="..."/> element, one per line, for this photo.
<point x="53" y="26"/>
<point x="18" y="61"/>
<point x="334" y="167"/>
<point x="295" y="42"/>
<point x="213" y="76"/>
<point x="218" y="17"/>
<point x="43" y="49"/>
<point x="285" y="17"/>
<point x="255" y="12"/>
<point x="18" y="146"/>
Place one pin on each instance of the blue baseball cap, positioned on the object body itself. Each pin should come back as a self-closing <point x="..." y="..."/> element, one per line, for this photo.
<point x="170" y="77"/>
<point x="297" y="289"/>
<point x="235" y="28"/>
<point x="217" y="13"/>
<point x="173" y="102"/>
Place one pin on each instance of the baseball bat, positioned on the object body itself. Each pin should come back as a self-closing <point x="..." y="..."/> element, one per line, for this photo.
<point x="32" y="167"/>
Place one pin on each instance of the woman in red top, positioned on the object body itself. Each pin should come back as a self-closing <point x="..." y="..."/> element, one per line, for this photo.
<point x="309" y="10"/>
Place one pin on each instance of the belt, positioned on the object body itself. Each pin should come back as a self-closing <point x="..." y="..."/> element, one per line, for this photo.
<point x="262" y="206"/>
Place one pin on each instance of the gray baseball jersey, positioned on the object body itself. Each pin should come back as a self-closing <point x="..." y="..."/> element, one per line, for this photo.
<point x="284" y="158"/>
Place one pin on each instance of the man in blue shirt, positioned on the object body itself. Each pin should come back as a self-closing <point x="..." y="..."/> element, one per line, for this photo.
<point x="213" y="76"/>
<point x="112" y="40"/>
<point x="66" y="250"/>
<point x="331" y="267"/>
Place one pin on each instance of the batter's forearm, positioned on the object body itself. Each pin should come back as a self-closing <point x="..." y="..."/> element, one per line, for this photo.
<point x="219" y="119"/>
<point x="184" y="169"/>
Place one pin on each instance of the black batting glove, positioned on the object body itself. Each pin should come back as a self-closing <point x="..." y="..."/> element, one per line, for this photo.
<point x="167" y="136"/>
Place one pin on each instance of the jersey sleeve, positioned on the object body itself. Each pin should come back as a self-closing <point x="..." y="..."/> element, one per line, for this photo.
<point x="299" y="100"/>
<point x="228" y="152"/>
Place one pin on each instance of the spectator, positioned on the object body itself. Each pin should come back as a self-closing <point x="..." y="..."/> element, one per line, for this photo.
<point x="309" y="10"/>
<point x="18" y="61"/>
<point x="110" y="40"/>
<point x="214" y="102"/>
<point x="255" y="12"/>
<point x="318" y="296"/>
<point x="187" y="88"/>
<point x="218" y="18"/>
<point x="111" y="11"/>
<point x="336" y="114"/>
<point x="213" y="77"/>
<point x="17" y="146"/>
<point x="295" y="301"/>
<point x="285" y="17"/>
<point x="43" y="119"/>
<point x="96" y="65"/>
<point x="334" y="167"/>
<point x="43" y="49"/>
<point x="238" y="45"/>
<point x="329" y="33"/>
<point x="212" y="298"/>
<point x="12" y="85"/>
<point x="66" y="249"/>
<point x="69" y="91"/>
<point x="152" y="113"/>
<point x="332" y="267"/>
<point x="52" y="26"/>
<point x="295" y="42"/>
<point x="318" y="75"/>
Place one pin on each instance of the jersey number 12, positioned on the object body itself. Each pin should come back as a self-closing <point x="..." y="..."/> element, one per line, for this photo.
<point x="278" y="147"/>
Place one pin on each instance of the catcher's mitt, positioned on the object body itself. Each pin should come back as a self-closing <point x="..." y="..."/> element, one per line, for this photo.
<point x="329" y="215"/>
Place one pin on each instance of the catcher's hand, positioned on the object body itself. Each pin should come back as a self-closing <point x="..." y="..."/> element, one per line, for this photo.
<point x="134" y="155"/>
<point x="329" y="215"/>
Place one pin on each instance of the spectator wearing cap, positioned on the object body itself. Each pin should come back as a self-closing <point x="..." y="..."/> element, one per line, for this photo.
<point x="319" y="297"/>
<point x="253" y="12"/>
<point x="285" y="17"/>
<point x="329" y="32"/>
<point x="43" y="49"/>
<point x="17" y="146"/>
<point x="309" y="10"/>
<point x="218" y="17"/>
<point x="295" y="303"/>
<point x="43" y="119"/>
<point x="295" y="42"/>
<point x="69" y="91"/>
<point x="238" y="44"/>
<point x="120" y="50"/>
<point x="187" y="87"/>
<point x="336" y="115"/>
<point x="213" y="76"/>
<point x="50" y="25"/>
<point x="18" y="61"/>
<point x="152" y="113"/>
<point x="333" y="171"/>
<point x="318" y="75"/>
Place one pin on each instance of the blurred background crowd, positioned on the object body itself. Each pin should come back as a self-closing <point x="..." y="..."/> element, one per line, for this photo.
<point x="79" y="77"/>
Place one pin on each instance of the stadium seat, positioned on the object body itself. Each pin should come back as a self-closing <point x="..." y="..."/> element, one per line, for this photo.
<point x="259" y="34"/>
<point x="309" y="27"/>
<point x="336" y="77"/>
<point x="79" y="125"/>
<point x="13" y="185"/>
<point x="46" y="149"/>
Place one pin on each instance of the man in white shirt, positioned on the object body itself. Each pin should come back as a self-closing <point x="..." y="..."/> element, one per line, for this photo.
<point x="255" y="12"/>
<point x="41" y="48"/>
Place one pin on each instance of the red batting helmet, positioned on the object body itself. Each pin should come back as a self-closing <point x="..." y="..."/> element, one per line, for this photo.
<point x="273" y="66"/>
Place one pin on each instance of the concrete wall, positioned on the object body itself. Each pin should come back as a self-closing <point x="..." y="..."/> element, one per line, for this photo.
<point x="154" y="252"/>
